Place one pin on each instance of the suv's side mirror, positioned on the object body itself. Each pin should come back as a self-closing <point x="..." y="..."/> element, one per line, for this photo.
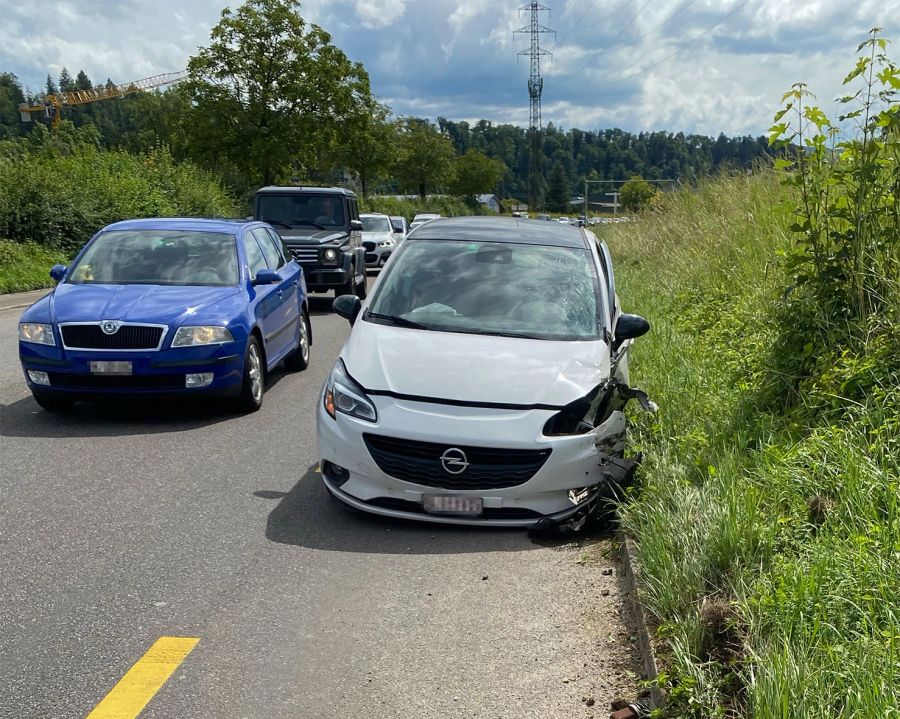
<point x="57" y="272"/>
<point x="630" y="326"/>
<point x="356" y="226"/>
<point x="266" y="277"/>
<point x="348" y="307"/>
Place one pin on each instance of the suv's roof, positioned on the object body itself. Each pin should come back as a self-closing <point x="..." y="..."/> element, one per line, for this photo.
<point x="291" y="189"/>
<point x="500" y="229"/>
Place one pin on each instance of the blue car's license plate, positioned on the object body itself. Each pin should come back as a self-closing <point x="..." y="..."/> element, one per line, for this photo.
<point x="103" y="367"/>
<point x="452" y="504"/>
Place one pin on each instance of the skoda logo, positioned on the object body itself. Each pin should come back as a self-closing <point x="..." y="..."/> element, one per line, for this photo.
<point x="454" y="461"/>
<point x="110" y="327"/>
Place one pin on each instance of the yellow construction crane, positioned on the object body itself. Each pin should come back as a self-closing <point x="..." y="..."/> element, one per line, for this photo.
<point x="51" y="105"/>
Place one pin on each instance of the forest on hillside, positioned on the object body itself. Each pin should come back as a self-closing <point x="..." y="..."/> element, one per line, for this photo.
<point x="140" y="122"/>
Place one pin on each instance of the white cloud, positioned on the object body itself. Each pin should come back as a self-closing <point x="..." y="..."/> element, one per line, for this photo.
<point x="625" y="63"/>
<point x="379" y="13"/>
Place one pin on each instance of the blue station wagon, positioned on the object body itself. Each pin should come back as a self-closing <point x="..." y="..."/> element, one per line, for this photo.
<point x="168" y="307"/>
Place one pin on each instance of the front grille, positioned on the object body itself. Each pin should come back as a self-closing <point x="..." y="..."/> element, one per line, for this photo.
<point x="99" y="381"/>
<point x="128" y="337"/>
<point x="420" y="463"/>
<point x="369" y="245"/>
<point x="306" y="255"/>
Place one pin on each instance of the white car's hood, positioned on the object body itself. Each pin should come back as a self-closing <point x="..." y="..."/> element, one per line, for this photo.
<point x="473" y="368"/>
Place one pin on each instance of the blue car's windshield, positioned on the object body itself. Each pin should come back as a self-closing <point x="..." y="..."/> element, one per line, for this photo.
<point x="158" y="257"/>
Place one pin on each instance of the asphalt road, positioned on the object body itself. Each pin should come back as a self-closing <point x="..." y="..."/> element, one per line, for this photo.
<point x="122" y="525"/>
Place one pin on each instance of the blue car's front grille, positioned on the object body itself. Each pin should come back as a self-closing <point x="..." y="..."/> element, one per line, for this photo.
<point x="99" y="381"/>
<point x="127" y="337"/>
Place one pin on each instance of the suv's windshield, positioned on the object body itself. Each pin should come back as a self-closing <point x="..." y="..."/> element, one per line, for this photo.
<point x="296" y="210"/>
<point x="158" y="257"/>
<point x="375" y="224"/>
<point x="491" y="288"/>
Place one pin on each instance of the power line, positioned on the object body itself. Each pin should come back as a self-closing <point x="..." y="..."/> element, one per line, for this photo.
<point x="624" y="28"/>
<point x="577" y="23"/>
<point x="650" y="32"/>
<point x="686" y="45"/>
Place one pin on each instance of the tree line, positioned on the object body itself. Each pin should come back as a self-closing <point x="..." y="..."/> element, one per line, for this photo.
<point x="271" y="99"/>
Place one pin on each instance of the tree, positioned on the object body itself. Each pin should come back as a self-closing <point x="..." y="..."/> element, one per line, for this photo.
<point x="636" y="193"/>
<point x="368" y="144"/>
<point x="559" y="193"/>
<point x="82" y="81"/>
<point x="10" y="96"/>
<point x="66" y="83"/>
<point x="474" y="173"/>
<point x="425" y="156"/>
<point x="50" y="86"/>
<point x="267" y="92"/>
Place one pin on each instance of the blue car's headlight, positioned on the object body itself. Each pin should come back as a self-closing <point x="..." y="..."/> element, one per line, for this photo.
<point x="203" y="335"/>
<point x="39" y="334"/>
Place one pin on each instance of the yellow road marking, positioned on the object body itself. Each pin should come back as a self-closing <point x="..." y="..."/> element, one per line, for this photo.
<point x="128" y="698"/>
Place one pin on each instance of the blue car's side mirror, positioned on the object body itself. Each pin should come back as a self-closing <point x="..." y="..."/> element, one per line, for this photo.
<point x="266" y="277"/>
<point x="57" y="272"/>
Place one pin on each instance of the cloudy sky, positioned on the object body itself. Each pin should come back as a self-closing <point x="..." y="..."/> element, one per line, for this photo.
<point x="704" y="66"/>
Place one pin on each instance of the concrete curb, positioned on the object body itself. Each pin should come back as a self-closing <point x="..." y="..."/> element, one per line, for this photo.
<point x="628" y="552"/>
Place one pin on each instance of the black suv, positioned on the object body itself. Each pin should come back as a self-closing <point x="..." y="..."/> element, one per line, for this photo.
<point x="321" y="228"/>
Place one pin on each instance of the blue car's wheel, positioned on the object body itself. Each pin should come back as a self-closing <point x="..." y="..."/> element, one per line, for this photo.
<point x="251" y="396"/>
<point x="299" y="358"/>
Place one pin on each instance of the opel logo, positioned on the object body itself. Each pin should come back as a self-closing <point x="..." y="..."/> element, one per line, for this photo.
<point x="110" y="327"/>
<point x="454" y="461"/>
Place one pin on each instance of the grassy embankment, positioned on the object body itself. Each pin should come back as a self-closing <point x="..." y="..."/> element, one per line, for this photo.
<point x="768" y="508"/>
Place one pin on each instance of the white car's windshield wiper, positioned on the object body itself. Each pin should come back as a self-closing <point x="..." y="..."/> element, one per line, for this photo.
<point x="396" y="320"/>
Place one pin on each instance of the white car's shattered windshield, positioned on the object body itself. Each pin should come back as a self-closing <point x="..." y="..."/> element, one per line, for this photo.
<point x="491" y="288"/>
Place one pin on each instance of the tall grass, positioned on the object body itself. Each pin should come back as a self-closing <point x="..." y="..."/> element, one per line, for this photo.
<point x="769" y="537"/>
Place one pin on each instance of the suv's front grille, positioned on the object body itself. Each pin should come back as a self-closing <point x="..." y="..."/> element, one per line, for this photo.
<point x="420" y="463"/>
<point x="127" y="337"/>
<point x="369" y="245"/>
<point x="306" y="255"/>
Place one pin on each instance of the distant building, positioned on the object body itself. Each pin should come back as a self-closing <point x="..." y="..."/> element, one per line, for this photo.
<point x="492" y="201"/>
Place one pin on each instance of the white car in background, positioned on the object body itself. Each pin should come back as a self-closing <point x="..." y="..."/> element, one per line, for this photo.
<point x="421" y="218"/>
<point x="483" y="379"/>
<point x="378" y="238"/>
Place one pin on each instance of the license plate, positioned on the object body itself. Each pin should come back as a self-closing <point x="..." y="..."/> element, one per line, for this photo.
<point x="452" y="504"/>
<point x="111" y="368"/>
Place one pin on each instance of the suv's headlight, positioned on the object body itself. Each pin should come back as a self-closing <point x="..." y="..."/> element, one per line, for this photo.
<point x="342" y="394"/>
<point x="203" y="335"/>
<point x="37" y="333"/>
<point x="386" y="243"/>
<point x="330" y="256"/>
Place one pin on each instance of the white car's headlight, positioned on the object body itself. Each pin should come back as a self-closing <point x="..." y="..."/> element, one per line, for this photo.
<point x="342" y="394"/>
<point x="386" y="243"/>
<point x="37" y="333"/>
<point x="204" y="335"/>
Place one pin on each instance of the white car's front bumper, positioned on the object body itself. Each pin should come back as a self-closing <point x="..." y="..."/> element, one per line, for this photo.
<point x="573" y="463"/>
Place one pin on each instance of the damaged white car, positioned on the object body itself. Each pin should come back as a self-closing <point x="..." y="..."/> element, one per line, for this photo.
<point x="483" y="379"/>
